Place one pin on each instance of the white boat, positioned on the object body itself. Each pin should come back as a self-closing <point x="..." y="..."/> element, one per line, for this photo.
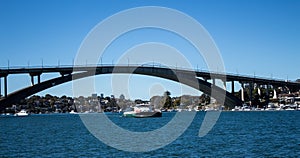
<point x="258" y="109"/>
<point x="246" y="108"/>
<point x="7" y="115"/>
<point x="73" y="112"/>
<point x="142" y="111"/>
<point x="271" y="107"/>
<point x="209" y="109"/>
<point x="236" y="108"/>
<point x="289" y="109"/>
<point x="22" y="113"/>
<point x="129" y="112"/>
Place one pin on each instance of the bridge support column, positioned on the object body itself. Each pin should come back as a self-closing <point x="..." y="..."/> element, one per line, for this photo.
<point x="39" y="79"/>
<point x="267" y="94"/>
<point x="32" y="75"/>
<point x="224" y="83"/>
<point x="275" y="94"/>
<point x="251" y="89"/>
<point x="32" y="80"/>
<point x="214" y="81"/>
<point x="267" y="90"/>
<point x="242" y="92"/>
<point x="232" y="87"/>
<point x="0" y="87"/>
<point x="5" y="86"/>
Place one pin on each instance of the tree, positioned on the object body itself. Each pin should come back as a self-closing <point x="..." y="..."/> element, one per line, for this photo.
<point x="168" y="100"/>
<point x="177" y="102"/>
<point x="113" y="104"/>
<point x="122" y="97"/>
<point x="204" y="99"/>
<point x="167" y="93"/>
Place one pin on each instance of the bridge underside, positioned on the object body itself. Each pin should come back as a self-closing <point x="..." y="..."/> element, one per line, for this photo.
<point x="187" y="78"/>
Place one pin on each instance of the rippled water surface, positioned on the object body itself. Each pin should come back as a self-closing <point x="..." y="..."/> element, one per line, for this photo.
<point x="236" y="134"/>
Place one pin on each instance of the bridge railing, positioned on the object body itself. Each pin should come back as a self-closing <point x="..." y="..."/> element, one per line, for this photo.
<point x="258" y="77"/>
<point x="95" y="65"/>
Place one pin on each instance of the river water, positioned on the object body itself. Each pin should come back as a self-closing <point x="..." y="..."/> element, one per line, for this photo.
<point x="236" y="134"/>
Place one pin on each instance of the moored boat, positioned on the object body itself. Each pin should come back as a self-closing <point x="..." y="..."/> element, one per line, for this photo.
<point x="7" y="115"/>
<point x="129" y="112"/>
<point x="22" y="113"/>
<point x="142" y="111"/>
<point x="73" y="112"/>
<point x="148" y="114"/>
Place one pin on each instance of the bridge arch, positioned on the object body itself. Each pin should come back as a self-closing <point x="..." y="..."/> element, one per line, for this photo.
<point x="166" y="73"/>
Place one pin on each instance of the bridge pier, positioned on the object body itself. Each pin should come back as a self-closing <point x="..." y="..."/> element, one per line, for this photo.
<point x="232" y="87"/>
<point x="275" y="94"/>
<point x="267" y="90"/>
<point x="251" y="89"/>
<point x="0" y="86"/>
<point x="32" y="75"/>
<point x="267" y="94"/>
<point x="224" y="83"/>
<point x="4" y="85"/>
<point x="39" y="79"/>
<point x="243" y="93"/>
<point x="32" y="80"/>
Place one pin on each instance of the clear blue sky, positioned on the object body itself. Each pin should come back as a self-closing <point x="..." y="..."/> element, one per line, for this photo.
<point x="253" y="36"/>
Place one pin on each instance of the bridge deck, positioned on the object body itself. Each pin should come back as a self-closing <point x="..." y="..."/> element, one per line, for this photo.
<point x="203" y="74"/>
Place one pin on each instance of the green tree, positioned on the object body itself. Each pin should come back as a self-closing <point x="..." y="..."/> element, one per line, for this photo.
<point x="168" y="100"/>
<point x="204" y="99"/>
<point x="177" y="102"/>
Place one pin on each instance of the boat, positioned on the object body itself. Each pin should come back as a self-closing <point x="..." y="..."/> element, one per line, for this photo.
<point x="73" y="112"/>
<point x="289" y="109"/>
<point x="148" y="114"/>
<point x="129" y="112"/>
<point x="209" y="109"/>
<point x="271" y="107"/>
<point x="22" y="113"/>
<point x="237" y="108"/>
<point x="258" y="109"/>
<point x="142" y="111"/>
<point x="245" y="107"/>
<point x="7" y="115"/>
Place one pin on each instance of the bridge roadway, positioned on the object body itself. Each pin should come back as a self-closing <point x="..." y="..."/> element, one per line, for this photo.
<point x="188" y="77"/>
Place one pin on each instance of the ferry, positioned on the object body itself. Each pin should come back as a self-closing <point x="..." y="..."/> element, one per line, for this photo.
<point x="142" y="111"/>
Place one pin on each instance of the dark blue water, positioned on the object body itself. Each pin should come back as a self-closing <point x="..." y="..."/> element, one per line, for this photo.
<point x="236" y="134"/>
